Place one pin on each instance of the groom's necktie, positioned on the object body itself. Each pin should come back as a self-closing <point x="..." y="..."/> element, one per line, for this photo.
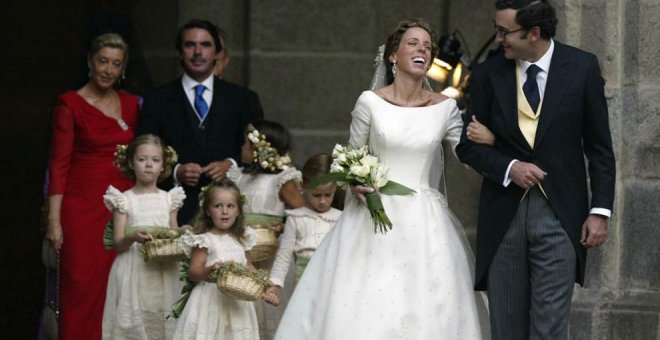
<point x="531" y="88"/>
<point x="200" y="104"/>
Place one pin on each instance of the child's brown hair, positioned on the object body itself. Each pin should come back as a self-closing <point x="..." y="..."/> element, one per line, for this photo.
<point x="202" y="222"/>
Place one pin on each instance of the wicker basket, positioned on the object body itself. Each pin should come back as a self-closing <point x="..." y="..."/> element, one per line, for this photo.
<point x="162" y="250"/>
<point x="240" y="287"/>
<point x="266" y="245"/>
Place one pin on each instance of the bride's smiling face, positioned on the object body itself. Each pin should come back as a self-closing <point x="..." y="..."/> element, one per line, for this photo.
<point x="414" y="53"/>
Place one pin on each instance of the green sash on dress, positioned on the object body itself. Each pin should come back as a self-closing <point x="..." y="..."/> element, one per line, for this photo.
<point x="108" y="233"/>
<point x="301" y="264"/>
<point x="257" y="221"/>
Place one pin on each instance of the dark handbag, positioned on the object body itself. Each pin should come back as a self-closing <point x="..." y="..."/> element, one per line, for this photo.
<point x="48" y="255"/>
<point x="51" y="312"/>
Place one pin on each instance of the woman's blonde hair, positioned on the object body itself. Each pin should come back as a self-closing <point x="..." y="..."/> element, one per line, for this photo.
<point x="112" y="40"/>
<point x="125" y="153"/>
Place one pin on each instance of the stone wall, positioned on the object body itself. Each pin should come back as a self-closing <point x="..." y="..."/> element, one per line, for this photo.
<point x="621" y="298"/>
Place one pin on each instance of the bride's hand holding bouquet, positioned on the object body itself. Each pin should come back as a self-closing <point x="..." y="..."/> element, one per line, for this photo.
<point x="367" y="176"/>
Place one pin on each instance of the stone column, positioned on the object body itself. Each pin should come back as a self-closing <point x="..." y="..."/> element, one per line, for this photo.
<point x="621" y="298"/>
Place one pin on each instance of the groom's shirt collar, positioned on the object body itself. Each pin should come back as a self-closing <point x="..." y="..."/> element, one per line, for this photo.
<point x="543" y="63"/>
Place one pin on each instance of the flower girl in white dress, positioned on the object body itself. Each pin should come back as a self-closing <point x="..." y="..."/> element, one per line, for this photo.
<point x="306" y="226"/>
<point x="208" y="313"/>
<point x="270" y="184"/>
<point x="140" y="293"/>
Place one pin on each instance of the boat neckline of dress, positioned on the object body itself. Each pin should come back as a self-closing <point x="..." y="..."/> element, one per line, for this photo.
<point x="406" y="107"/>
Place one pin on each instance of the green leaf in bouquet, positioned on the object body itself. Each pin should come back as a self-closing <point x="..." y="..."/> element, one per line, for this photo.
<point x="381" y="222"/>
<point x="394" y="188"/>
<point x="331" y="177"/>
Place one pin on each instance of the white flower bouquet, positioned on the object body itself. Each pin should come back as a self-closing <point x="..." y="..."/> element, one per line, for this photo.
<point x="357" y="167"/>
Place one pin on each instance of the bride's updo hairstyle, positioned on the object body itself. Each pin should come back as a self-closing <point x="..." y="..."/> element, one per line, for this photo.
<point x="393" y="41"/>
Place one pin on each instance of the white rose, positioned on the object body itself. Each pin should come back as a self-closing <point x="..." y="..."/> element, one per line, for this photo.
<point x="337" y="150"/>
<point x="359" y="170"/>
<point x="264" y="164"/>
<point x="369" y="161"/>
<point x="341" y="158"/>
<point x="334" y="167"/>
<point x="353" y="155"/>
<point x="379" y="176"/>
<point x="363" y="150"/>
<point x="253" y="136"/>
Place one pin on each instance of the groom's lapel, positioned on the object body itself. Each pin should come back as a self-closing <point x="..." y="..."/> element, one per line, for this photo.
<point x="561" y="73"/>
<point x="505" y="91"/>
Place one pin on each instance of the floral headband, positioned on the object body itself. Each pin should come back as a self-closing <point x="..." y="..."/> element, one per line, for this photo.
<point x="169" y="154"/>
<point x="265" y="155"/>
<point x="205" y="189"/>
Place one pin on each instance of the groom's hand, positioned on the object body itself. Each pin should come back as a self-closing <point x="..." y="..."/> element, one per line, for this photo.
<point x="594" y="231"/>
<point x="526" y="175"/>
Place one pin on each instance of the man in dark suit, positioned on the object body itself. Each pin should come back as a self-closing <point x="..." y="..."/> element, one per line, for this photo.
<point x="545" y="103"/>
<point x="201" y="116"/>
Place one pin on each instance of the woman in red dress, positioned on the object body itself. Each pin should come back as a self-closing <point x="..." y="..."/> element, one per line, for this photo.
<point x="87" y="125"/>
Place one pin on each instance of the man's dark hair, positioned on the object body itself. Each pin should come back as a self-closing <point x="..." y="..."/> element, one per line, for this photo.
<point x="532" y="13"/>
<point x="201" y="24"/>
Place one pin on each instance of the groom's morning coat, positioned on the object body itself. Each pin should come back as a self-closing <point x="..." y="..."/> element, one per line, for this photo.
<point x="573" y="123"/>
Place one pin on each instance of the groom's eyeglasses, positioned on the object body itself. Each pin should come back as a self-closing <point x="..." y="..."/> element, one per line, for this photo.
<point x="502" y="32"/>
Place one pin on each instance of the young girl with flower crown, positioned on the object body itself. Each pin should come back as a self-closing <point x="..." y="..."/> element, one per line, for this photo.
<point x="208" y="313"/>
<point x="306" y="226"/>
<point x="270" y="184"/>
<point x="140" y="293"/>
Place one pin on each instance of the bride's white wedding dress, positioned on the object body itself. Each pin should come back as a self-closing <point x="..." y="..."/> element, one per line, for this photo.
<point x="415" y="282"/>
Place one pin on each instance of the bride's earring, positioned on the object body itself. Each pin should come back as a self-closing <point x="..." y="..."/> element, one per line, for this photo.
<point x="394" y="69"/>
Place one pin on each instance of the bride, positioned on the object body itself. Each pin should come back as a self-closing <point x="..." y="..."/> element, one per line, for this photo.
<point x="415" y="281"/>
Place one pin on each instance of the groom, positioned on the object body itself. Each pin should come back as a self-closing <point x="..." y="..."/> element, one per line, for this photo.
<point x="544" y="102"/>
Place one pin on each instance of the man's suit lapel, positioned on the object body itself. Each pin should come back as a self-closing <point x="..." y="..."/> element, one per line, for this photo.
<point x="189" y="120"/>
<point x="219" y="98"/>
<point x="505" y="91"/>
<point x="559" y="78"/>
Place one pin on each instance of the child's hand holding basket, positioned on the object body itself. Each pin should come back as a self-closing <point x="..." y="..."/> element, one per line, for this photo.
<point x="240" y="281"/>
<point x="164" y="244"/>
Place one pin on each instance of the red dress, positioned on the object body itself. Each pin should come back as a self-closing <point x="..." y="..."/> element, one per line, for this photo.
<point x="81" y="168"/>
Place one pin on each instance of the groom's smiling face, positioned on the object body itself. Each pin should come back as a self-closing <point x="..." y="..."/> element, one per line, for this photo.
<point x="514" y="41"/>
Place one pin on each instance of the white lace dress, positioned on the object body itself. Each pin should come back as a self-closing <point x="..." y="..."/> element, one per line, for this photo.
<point x="415" y="282"/>
<point x="209" y="314"/>
<point x="262" y="191"/>
<point x="304" y="231"/>
<point x="140" y="293"/>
